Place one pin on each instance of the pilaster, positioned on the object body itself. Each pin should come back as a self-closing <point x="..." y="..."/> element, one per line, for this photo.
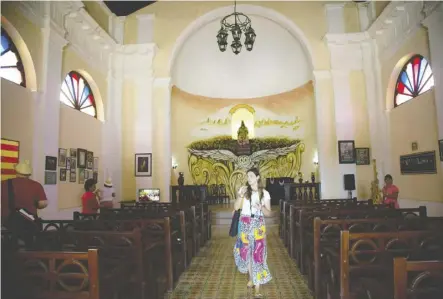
<point x="117" y="28"/>
<point x="366" y="14"/>
<point x="434" y="23"/>
<point x="47" y="116"/>
<point x="145" y="33"/>
<point x="326" y="141"/>
<point x="162" y="125"/>
<point x="335" y="17"/>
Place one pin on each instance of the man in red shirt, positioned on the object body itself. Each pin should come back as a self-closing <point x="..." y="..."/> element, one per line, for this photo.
<point x="28" y="194"/>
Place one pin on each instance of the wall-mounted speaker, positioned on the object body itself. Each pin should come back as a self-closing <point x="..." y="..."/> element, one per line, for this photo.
<point x="349" y="180"/>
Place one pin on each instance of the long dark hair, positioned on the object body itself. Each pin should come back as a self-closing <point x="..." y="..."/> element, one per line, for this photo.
<point x="260" y="188"/>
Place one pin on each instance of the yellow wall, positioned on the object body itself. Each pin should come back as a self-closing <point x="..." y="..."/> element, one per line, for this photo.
<point x="17" y="116"/>
<point x="97" y="13"/>
<point x="184" y="129"/>
<point x="412" y="121"/>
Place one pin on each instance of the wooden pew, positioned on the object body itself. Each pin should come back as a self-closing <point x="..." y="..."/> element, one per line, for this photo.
<point x="327" y="236"/>
<point x="423" y="271"/>
<point x="304" y="225"/>
<point x="55" y="275"/>
<point x="365" y="260"/>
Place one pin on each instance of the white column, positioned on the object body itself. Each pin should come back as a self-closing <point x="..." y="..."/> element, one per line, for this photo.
<point x="344" y="120"/>
<point x="145" y="25"/>
<point x="434" y="22"/>
<point x="117" y="28"/>
<point x="47" y="120"/>
<point x="143" y="124"/>
<point x="366" y="14"/>
<point x="112" y="127"/>
<point x="335" y="17"/>
<point x="163" y="136"/>
<point x="378" y="122"/>
<point x="326" y="141"/>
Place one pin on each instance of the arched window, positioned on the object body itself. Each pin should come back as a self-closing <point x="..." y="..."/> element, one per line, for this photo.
<point x="77" y="94"/>
<point x="11" y="66"/>
<point x="415" y="78"/>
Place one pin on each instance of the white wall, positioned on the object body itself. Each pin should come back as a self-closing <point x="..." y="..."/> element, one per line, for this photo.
<point x="276" y="64"/>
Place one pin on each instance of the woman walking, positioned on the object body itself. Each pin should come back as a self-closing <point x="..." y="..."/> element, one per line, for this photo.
<point x="250" y="250"/>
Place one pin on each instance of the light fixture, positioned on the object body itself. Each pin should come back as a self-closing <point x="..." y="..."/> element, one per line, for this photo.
<point x="237" y="23"/>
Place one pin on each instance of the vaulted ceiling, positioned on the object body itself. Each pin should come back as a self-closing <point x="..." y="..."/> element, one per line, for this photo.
<point x="124" y="8"/>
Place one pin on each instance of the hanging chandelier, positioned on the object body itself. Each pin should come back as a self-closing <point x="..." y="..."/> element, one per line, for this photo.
<point x="237" y="23"/>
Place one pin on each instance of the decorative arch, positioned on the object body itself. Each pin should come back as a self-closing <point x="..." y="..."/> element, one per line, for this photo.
<point x="86" y="96"/>
<point x="29" y="72"/>
<point x="264" y="12"/>
<point x="242" y="113"/>
<point x="240" y="106"/>
<point x="412" y="76"/>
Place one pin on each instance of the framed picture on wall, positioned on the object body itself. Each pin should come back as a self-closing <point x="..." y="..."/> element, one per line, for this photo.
<point x="73" y="163"/>
<point x="362" y="156"/>
<point x="95" y="164"/>
<point x="73" y="175"/>
<point x="62" y="175"/>
<point x="346" y="152"/>
<point x="440" y="149"/>
<point x="89" y="160"/>
<point x="50" y="177"/>
<point x="81" y="176"/>
<point x="51" y="163"/>
<point x="62" y="153"/>
<point x="143" y="165"/>
<point x="68" y="163"/>
<point x="73" y="153"/>
<point x="81" y="158"/>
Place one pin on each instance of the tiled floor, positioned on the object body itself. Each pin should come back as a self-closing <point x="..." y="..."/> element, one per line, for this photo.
<point x="213" y="275"/>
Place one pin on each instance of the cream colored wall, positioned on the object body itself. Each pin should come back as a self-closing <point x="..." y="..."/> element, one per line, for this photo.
<point x="17" y="116"/>
<point x="97" y="13"/>
<point x="351" y="18"/>
<point x="364" y="174"/>
<point x="380" y="6"/>
<point x="412" y="121"/>
<point x="77" y="130"/>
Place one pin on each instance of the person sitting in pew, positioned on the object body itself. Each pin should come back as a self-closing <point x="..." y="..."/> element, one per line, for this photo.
<point x="90" y="201"/>
<point x="390" y="192"/>
<point x="28" y="194"/>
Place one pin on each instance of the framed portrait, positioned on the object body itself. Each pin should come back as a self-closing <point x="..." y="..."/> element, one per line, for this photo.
<point x="440" y="149"/>
<point x="73" y="153"/>
<point x="362" y="156"/>
<point x="414" y="146"/>
<point x="73" y="175"/>
<point x="68" y="163"/>
<point x="50" y="177"/>
<point x="73" y="163"/>
<point x="346" y="152"/>
<point x="81" y="176"/>
<point x="89" y="160"/>
<point x="95" y="164"/>
<point x="143" y="165"/>
<point x="51" y="163"/>
<point x="62" y="153"/>
<point x="62" y="175"/>
<point x="81" y="158"/>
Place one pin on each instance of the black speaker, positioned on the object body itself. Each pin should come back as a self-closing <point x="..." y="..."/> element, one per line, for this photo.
<point x="349" y="182"/>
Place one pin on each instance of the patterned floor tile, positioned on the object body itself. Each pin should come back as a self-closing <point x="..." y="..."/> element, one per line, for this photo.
<point x="213" y="275"/>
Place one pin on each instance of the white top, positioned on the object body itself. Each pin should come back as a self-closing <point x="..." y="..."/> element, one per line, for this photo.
<point x="107" y="194"/>
<point x="246" y="209"/>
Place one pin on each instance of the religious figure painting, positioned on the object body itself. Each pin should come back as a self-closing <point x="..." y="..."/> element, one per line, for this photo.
<point x="143" y="165"/>
<point x="81" y="156"/>
<point x="346" y="151"/>
<point x="62" y="153"/>
<point x="51" y="163"/>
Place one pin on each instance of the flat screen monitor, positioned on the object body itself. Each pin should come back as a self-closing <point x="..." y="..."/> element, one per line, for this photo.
<point x="149" y="194"/>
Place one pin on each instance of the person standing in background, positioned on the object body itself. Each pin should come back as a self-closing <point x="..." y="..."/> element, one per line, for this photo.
<point x="390" y="192"/>
<point x="28" y="194"/>
<point x="90" y="200"/>
<point x="108" y="195"/>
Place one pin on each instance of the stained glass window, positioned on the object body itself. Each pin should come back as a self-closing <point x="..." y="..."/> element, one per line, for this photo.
<point x="415" y="78"/>
<point x="77" y="94"/>
<point x="11" y="66"/>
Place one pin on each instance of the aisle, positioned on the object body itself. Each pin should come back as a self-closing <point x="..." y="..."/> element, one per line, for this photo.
<point x="213" y="275"/>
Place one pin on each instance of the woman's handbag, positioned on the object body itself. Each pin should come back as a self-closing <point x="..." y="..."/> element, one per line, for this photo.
<point x="233" y="231"/>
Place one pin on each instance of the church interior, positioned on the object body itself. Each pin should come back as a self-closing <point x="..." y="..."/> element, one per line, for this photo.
<point x="172" y="103"/>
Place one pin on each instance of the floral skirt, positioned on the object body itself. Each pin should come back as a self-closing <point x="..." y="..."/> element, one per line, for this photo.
<point x="251" y="248"/>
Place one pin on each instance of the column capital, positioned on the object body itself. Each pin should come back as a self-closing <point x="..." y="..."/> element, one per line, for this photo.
<point x="335" y="17"/>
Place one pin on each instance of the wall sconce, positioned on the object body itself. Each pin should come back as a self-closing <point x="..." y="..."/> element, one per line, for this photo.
<point x="174" y="166"/>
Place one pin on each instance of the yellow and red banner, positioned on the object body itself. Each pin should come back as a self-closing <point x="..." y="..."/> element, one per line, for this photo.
<point x="10" y="157"/>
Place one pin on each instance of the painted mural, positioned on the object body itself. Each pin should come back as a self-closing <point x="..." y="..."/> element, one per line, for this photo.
<point x="240" y="136"/>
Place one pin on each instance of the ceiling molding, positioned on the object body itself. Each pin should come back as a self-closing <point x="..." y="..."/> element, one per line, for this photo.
<point x="398" y="21"/>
